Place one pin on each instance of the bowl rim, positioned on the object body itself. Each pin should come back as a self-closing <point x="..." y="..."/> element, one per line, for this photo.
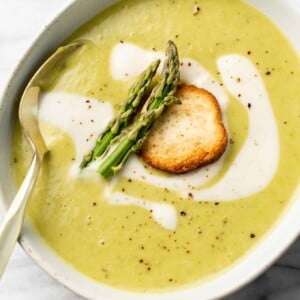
<point x="281" y="233"/>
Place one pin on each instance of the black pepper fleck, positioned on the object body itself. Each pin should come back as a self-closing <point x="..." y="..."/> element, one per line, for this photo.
<point x="196" y="10"/>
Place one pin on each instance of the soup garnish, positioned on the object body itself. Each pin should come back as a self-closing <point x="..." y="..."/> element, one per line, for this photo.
<point x="132" y="139"/>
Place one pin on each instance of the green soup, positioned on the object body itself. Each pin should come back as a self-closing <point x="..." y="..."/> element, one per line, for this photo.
<point x="122" y="246"/>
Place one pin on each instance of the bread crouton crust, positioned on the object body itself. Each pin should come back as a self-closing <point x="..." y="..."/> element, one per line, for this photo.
<point x="186" y="136"/>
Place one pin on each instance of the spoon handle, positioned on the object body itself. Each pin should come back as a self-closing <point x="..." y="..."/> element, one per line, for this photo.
<point x="13" y="221"/>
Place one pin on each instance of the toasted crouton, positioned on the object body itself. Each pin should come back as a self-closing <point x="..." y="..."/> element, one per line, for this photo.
<point x="188" y="135"/>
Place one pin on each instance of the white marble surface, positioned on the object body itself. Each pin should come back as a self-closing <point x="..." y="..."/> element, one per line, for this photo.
<point x="20" y="22"/>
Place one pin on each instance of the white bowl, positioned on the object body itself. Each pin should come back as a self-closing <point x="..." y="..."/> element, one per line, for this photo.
<point x="286" y="14"/>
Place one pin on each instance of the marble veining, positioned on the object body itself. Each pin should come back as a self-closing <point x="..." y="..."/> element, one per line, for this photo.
<point x="20" y="22"/>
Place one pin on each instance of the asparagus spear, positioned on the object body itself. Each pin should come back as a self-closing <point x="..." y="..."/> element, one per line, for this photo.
<point x="162" y="95"/>
<point x="125" y="114"/>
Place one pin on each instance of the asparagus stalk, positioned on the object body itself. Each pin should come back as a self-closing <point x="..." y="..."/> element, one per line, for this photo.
<point x="125" y="114"/>
<point x="162" y="95"/>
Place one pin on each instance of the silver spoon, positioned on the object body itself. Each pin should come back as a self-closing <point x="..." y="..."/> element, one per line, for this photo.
<point x="28" y="116"/>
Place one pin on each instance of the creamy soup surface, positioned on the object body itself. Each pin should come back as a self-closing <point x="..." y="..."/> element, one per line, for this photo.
<point x="146" y="230"/>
